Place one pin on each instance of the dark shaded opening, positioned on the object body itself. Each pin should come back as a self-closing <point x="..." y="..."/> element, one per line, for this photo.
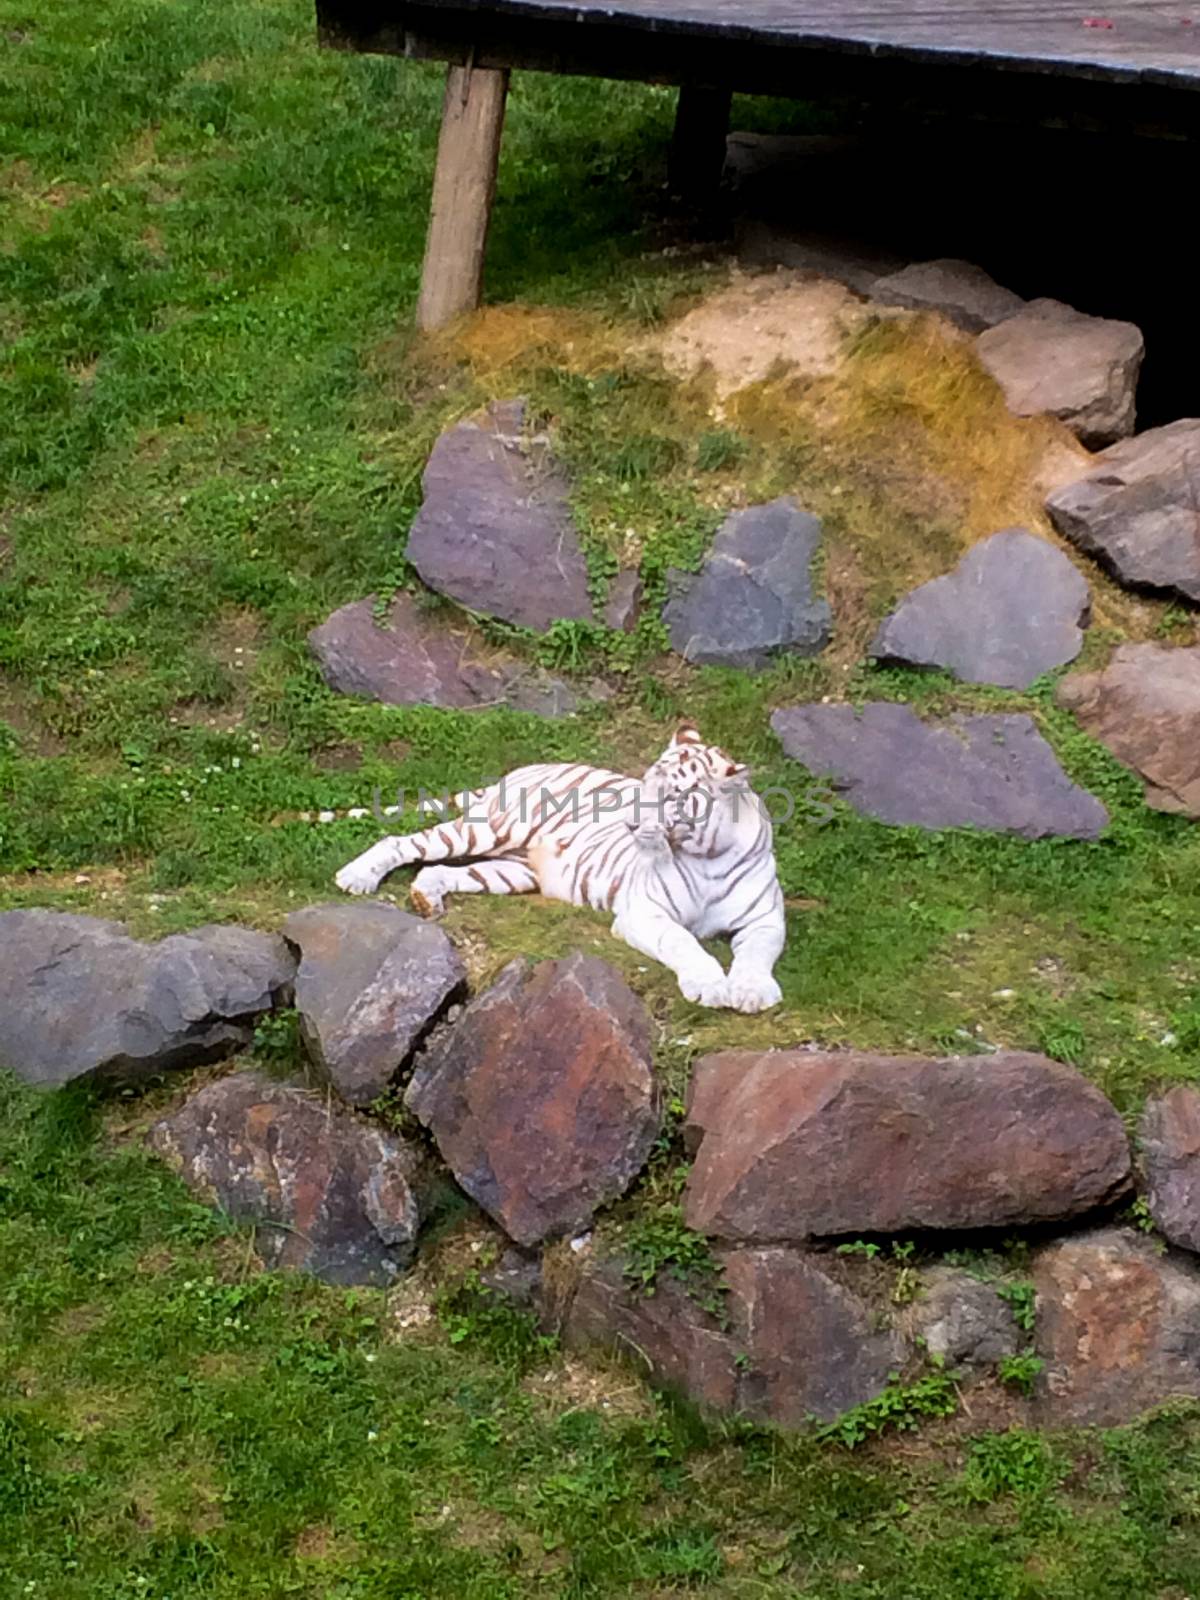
<point x="1100" y="221"/>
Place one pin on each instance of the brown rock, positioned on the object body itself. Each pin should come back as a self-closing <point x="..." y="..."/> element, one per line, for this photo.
<point x="794" y="1145"/>
<point x="372" y="981"/>
<point x="1118" y="1326"/>
<point x="667" y="1334"/>
<point x="1084" y="370"/>
<point x="962" y="292"/>
<point x="793" y="1343"/>
<point x="541" y="1098"/>
<point x="329" y="1194"/>
<point x="1137" y="511"/>
<point x="1171" y="1153"/>
<point x="1145" y="708"/>
<point x="812" y="1346"/>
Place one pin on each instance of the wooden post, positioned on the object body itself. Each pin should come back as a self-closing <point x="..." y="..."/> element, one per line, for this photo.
<point x="698" y="143"/>
<point x="464" y="183"/>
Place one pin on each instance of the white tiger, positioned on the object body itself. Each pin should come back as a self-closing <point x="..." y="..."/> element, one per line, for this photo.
<point x="680" y="855"/>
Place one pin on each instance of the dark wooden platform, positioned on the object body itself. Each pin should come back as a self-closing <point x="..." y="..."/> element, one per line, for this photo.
<point x="1131" y="66"/>
<point x="1150" y="42"/>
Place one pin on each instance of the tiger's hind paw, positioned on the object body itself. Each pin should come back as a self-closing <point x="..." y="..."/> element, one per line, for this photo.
<point x="425" y="904"/>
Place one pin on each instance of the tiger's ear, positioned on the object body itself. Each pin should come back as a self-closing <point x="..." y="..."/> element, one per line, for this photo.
<point x="685" y="733"/>
<point x="735" y="772"/>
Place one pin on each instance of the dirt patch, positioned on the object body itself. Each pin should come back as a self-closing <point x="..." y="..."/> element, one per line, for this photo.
<point x="595" y="1385"/>
<point x="18" y="710"/>
<point x="761" y="326"/>
<point x="339" y="758"/>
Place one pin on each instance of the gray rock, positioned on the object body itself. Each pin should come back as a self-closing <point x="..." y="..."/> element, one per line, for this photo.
<point x="992" y="772"/>
<point x="329" y="1194"/>
<point x="1171" y="1154"/>
<point x="753" y="597"/>
<point x="1052" y="359"/>
<point x="517" y="1276"/>
<point x="962" y="292"/>
<point x="415" y="657"/>
<point x="1118" y="1326"/>
<point x="961" y="1319"/>
<point x="799" y="1145"/>
<point x="495" y="531"/>
<point x="372" y="981"/>
<point x="542" y="1099"/>
<point x="624" y="601"/>
<point x="1145" y="707"/>
<point x="1011" y="610"/>
<point x="859" y="266"/>
<point x="793" y="1342"/>
<point x="79" y="998"/>
<point x="1138" y="510"/>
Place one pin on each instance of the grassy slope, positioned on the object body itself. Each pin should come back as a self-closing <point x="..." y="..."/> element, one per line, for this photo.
<point x="213" y="433"/>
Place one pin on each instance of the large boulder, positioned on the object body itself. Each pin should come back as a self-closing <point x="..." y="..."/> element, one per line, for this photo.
<point x="80" y="998"/>
<point x="372" y="981"/>
<point x="963" y="293"/>
<point x="541" y="1098"/>
<point x="328" y="1193"/>
<point x="792" y="1342"/>
<point x="1118" y="1326"/>
<point x="753" y="597"/>
<point x="988" y="771"/>
<point x="1011" y="610"/>
<point x="495" y="531"/>
<point x="1145" y="707"/>
<point x="412" y="657"/>
<point x="1170" y="1134"/>
<point x="794" y="1145"/>
<point x="1137" y="511"/>
<point x="1081" y="369"/>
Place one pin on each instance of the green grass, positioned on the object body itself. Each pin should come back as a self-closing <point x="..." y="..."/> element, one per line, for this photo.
<point x="214" y="426"/>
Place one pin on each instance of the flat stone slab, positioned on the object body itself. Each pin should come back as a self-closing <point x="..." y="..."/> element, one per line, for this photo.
<point x="1052" y="359"/>
<point x="965" y="294"/>
<point x="414" y="657"/>
<point x="1145" y="708"/>
<point x="1137" y="511"/>
<point x="991" y="771"/>
<point x="1170" y="1135"/>
<point x="1011" y="610"/>
<point x="795" y="1145"/>
<point x="542" y="1098"/>
<point x="495" y="531"/>
<point x="80" y="998"/>
<point x="1118" y="1326"/>
<point x="329" y="1194"/>
<point x="753" y="596"/>
<point x="793" y="1344"/>
<point x="372" y="981"/>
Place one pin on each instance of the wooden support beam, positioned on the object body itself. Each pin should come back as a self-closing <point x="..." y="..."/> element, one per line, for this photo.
<point x="464" y="183"/>
<point x="698" y="143"/>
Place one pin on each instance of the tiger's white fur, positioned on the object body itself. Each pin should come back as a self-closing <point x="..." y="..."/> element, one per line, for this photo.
<point x="679" y="855"/>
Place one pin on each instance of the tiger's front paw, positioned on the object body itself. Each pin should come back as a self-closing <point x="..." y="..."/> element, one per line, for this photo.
<point x="752" y="992"/>
<point x="705" y="991"/>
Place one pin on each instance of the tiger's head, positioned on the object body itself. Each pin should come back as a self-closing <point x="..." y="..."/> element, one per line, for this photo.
<point x="690" y="786"/>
